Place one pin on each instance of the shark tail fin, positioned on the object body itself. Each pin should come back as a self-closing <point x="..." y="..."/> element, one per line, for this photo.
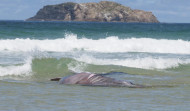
<point x="55" y="79"/>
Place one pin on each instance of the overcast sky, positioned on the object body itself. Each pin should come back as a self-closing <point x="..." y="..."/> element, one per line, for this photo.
<point x="172" y="11"/>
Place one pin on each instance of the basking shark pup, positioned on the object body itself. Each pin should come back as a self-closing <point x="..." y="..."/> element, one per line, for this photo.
<point x="89" y="79"/>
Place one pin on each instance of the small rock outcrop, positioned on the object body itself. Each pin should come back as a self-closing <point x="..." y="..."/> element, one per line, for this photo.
<point x="104" y="11"/>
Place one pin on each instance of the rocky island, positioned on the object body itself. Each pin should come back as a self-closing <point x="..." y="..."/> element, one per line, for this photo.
<point x="104" y="11"/>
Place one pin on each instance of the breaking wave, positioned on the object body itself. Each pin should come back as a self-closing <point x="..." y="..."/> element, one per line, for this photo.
<point x="85" y="63"/>
<point x="106" y="45"/>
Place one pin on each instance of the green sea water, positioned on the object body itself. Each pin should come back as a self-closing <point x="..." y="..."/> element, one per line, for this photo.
<point x="31" y="53"/>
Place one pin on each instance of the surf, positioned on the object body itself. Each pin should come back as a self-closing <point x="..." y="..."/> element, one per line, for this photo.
<point x="111" y="44"/>
<point x="44" y="67"/>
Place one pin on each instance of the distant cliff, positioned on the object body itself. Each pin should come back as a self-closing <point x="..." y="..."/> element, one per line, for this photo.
<point x="104" y="11"/>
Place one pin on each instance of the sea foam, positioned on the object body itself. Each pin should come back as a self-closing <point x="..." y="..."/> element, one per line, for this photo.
<point x="107" y="45"/>
<point x="143" y="63"/>
<point x="80" y="64"/>
<point x="24" y="69"/>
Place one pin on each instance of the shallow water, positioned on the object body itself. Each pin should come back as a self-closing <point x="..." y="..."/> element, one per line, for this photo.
<point x="33" y="96"/>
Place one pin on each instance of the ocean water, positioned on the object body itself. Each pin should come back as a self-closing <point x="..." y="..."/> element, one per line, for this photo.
<point x="31" y="53"/>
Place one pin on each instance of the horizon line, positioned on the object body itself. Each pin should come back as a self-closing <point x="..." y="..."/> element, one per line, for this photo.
<point x="96" y="22"/>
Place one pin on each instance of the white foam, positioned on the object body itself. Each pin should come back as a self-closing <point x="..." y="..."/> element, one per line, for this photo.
<point x="144" y="63"/>
<point x="17" y="70"/>
<point x="77" y="66"/>
<point x="109" y="45"/>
